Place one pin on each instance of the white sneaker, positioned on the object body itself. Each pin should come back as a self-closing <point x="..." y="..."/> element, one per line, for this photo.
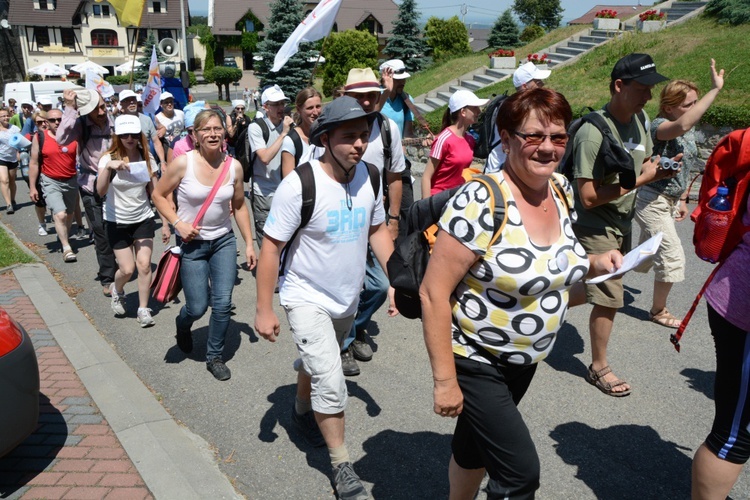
<point x="117" y="302"/>
<point x="42" y="231"/>
<point x="144" y="317"/>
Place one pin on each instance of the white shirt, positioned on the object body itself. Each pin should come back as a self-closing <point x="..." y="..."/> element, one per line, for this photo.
<point x="326" y="262"/>
<point x="374" y="152"/>
<point x="266" y="177"/>
<point x="174" y="125"/>
<point x="496" y="157"/>
<point x="127" y="200"/>
<point x="309" y="152"/>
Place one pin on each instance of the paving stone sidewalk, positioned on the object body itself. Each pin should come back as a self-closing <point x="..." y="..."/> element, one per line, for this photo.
<point x="73" y="454"/>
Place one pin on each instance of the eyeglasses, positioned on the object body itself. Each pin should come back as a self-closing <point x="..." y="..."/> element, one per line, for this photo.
<point x="240" y="109"/>
<point x="168" y="101"/>
<point x="212" y="130"/>
<point x="54" y="120"/>
<point x="538" y="139"/>
<point x="129" y="136"/>
<point x="39" y="123"/>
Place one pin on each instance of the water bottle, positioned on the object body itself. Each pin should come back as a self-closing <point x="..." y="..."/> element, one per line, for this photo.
<point x="720" y="201"/>
<point x="24" y="160"/>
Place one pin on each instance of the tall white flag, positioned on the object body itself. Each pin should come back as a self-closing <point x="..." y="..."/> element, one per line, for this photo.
<point x="152" y="90"/>
<point x="95" y="81"/>
<point x="315" y="26"/>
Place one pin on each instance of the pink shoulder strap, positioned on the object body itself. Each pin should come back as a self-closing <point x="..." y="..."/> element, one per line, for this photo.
<point x="212" y="194"/>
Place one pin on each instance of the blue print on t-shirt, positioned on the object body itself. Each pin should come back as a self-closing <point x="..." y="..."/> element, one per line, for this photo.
<point x="345" y="225"/>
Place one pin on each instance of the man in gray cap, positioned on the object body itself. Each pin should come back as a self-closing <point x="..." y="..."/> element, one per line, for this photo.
<point x="325" y="269"/>
<point x="605" y="207"/>
<point x="85" y="120"/>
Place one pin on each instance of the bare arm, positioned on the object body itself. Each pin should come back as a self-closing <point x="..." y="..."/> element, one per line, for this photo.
<point x="267" y="154"/>
<point x="242" y="216"/>
<point x="395" y="190"/>
<point x="287" y="163"/>
<point x="449" y="263"/>
<point x="381" y="242"/>
<point x="34" y="168"/>
<point x="168" y="182"/>
<point x="429" y="170"/>
<point x="267" y="274"/>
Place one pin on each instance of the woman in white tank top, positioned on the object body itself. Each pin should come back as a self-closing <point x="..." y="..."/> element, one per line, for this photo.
<point x="208" y="251"/>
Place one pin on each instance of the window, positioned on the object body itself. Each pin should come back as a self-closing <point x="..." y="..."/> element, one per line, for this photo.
<point x="157" y="7"/>
<point x="68" y="37"/>
<point x="107" y="38"/>
<point x="41" y="37"/>
<point x="162" y="34"/>
<point x="105" y="10"/>
<point x="100" y="10"/>
<point x="43" y="5"/>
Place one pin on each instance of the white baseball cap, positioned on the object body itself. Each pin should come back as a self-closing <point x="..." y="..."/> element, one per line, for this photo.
<point x="127" y="124"/>
<point x="45" y="101"/>
<point x="527" y="72"/>
<point x="398" y="67"/>
<point x="273" y="94"/>
<point x="165" y="96"/>
<point x="125" y="94"/>
<point x="462" y="98"/>
<point x="238" y="102"/>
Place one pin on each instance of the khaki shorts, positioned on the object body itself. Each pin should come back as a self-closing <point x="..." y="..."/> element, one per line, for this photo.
<point x="654" y="213"/>
<point x="595" y="241"/>
<point x="319" y="339"/>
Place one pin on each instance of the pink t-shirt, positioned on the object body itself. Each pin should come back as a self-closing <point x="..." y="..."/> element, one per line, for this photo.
<point x="182" y="146"/>
<point x="453" y="153"/>
<point x="729" y="291"/>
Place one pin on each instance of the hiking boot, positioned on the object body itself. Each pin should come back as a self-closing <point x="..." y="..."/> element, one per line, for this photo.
<point x="144" y="317"/>
<point x="347" y="483"/>
<point x="349" y="364"/>
<point x="308" y="427"/>
<point x="117" y="301"/>
<point x="361" y="348"/>
<point x="218" y="369"/>
<point x="184" y="338"/>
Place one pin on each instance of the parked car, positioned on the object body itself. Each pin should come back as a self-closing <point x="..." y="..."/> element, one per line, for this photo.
<point x="230" y="62"/>
<point x="19" y="384"/>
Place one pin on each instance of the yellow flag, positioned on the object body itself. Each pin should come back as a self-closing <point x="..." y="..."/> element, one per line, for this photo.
<point x="128" y="11"/>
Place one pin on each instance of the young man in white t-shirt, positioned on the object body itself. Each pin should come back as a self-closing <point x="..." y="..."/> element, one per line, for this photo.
<point x="172" y="119"/>
<point x="324" y="272"/>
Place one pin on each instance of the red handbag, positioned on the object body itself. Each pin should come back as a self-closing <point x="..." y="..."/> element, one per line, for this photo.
<point x="166" y="283"/>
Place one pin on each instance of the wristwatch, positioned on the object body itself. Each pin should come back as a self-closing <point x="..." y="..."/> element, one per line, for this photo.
<point x="390" y="217"/>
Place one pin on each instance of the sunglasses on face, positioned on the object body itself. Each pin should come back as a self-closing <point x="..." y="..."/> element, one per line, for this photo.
<point x="129" y="136"/>
<point x="168" y="101"/>
<point x="399" y="71"/>
<point x="39" y="123"/>
<point x="538" y="139"/>
<point x="54" y="120"/>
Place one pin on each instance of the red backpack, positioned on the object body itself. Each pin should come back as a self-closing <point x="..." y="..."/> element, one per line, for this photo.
<point x="729" y="166"/>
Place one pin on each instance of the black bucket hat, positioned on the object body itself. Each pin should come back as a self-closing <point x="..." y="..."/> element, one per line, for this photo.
<point x="340" y="110"/>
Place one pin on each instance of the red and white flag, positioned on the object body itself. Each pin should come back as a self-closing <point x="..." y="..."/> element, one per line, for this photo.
<point x="152" y="90"/>
<point x="315" y="26"/>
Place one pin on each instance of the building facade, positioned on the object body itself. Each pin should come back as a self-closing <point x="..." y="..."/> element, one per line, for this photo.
<point x="69" y="32"/>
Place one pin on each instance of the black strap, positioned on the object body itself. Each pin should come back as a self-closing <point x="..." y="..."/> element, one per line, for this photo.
<point x="385" y="134"/>
<point x="297" y="141"/>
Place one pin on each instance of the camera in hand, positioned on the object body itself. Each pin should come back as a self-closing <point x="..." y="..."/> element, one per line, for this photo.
<point x="669" y="164"/>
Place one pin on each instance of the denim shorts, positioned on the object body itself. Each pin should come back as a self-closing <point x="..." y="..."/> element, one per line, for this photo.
<point x="319" y="338"/>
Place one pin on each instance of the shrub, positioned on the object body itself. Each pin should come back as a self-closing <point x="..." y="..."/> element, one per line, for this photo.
<point x="531" y="33"/>
<point x="734" y="12"/>
<point x="118" y="79"/>
<point x="721" y="115"/>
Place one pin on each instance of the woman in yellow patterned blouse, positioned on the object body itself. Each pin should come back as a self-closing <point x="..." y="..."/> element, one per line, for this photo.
<point x="492" y="307"/>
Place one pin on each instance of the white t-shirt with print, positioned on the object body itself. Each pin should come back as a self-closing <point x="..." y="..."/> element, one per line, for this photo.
<point x="127" y="201"/>
<point x="513" y="301"/>
<point x="326" y="261"/>
<point x="374" y="152"/>
<point x="174" y="125"/>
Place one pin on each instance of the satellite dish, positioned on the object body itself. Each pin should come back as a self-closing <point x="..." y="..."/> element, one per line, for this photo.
<point x="168" y="47"/>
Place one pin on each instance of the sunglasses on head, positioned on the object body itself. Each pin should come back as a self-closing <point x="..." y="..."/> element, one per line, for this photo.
<point x="130" y="136"/>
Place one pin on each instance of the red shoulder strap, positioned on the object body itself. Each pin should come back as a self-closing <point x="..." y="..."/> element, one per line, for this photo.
<point x="212" y="194"/>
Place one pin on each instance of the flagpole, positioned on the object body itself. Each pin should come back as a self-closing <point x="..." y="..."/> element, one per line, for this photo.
<point x="135" y="44"/>
<point x="320" y="54"/>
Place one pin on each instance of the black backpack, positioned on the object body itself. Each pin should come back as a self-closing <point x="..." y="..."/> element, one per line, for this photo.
<point x="485" y="127"/>
<point x="307" y="180"/>
<point x="243" y="151"/>
<point x="616" y="158"/>
<point x="408" y="263"/>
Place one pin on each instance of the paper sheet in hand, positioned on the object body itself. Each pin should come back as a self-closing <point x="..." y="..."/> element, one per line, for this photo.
<point x="138" y="172"/>
<point x="634" y="258"/>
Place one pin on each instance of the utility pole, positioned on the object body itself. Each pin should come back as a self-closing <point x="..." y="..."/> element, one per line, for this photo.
<point x="464" y="10"/>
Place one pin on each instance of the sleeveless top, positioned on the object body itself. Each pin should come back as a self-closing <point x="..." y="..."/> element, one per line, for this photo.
<point x="190" y="197"/>
<point x="512" y="302"/>
<point x="58" y="162"/>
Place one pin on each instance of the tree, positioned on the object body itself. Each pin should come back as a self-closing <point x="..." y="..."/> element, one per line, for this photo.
<point x="344" y="51"/>
<point x="732" y="12"/>
<point x="531" y="33"/>
<point x="546" y="13"/>
<point x="447" y="38"/>
<point x="504" y="33"/>
<point x="295" y="74"/>
<point x="406" y="42"/>
<point x="222" y="77"/>
<point x="140" y="74"/>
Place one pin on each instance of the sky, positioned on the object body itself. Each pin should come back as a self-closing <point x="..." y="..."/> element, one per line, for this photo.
<point x="477" y="11"/>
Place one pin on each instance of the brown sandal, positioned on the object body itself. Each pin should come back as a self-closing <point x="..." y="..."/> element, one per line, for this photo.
<point x="595" y="378"/>
<point x="665" y="318"/>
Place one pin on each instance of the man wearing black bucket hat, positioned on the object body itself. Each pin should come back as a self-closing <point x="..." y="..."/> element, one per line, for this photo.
<point x="605" y="206"/>
<point x="323" y="272"/>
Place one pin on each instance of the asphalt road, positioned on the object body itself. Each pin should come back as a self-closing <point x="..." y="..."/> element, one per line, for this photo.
<point x="590" y="445"/>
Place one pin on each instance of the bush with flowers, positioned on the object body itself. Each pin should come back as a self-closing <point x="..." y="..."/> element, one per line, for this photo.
<point x="501" y="53"/>
<point x="537" y="59"/>
<point x="652" y="15"/>
<point x="606" y="14"/>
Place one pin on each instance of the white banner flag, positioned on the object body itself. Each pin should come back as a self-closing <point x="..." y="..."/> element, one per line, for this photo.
<point x="97" y="82"/>
<point x="315" y="26"/>
<point x="152" y="90"/>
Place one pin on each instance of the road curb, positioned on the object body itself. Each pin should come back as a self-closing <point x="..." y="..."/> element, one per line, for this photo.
<point x="173" y="462"/>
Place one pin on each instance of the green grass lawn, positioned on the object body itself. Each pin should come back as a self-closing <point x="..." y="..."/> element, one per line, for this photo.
<point x="11" y="253"/>
<point x="683" y="51"/>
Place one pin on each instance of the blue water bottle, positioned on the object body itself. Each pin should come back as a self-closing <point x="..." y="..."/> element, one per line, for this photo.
<point x="720" y="201"/>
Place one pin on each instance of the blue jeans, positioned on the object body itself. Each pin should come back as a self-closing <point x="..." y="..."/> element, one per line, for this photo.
<point x="373" y="295"/>
<point x="209" y="270"/>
